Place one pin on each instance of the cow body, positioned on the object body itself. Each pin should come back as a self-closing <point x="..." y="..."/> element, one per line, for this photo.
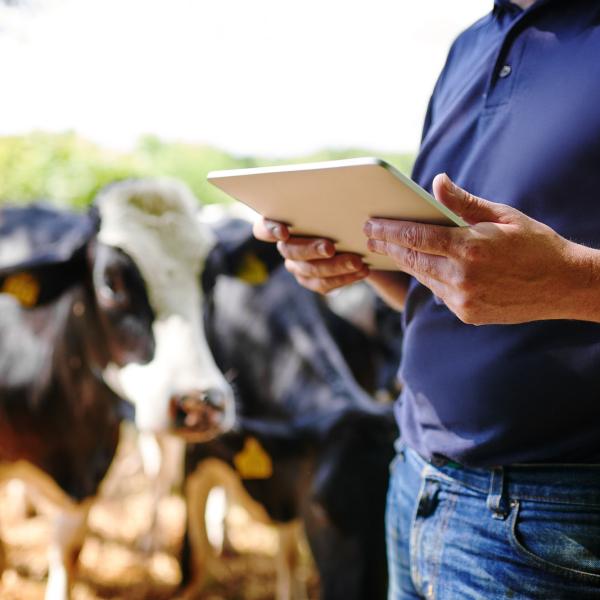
<point x="93" y="308"/>
<point x="310" y="445"/>
<point x="56" y="411"/>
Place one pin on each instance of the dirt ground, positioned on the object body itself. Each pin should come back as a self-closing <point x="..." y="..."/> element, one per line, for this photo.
<point x="112" y="564"/>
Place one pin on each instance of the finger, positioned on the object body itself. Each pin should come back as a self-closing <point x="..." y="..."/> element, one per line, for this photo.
<point x="433" y="239"/>
<point x="341" y="264"/>
<point x="270" y="231"/>
<point x="324" y="285"/>
<point x="296" y="248"/>
<point x="411" y="261"/>
<point x="471" y="208"/>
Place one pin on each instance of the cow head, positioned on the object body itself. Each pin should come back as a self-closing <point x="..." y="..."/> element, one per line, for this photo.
<point x="181" y="389"/>
<point x="49" y="255"/>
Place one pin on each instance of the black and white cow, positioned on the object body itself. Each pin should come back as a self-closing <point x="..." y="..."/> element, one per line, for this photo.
<point x="93" y="304"/>
<point x="310" y="445"/>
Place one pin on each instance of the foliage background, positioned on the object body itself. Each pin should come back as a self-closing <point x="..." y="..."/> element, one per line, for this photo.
<point x="68" y="170"/>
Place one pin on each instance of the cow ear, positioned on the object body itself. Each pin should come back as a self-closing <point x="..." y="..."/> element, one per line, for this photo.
<point x="43" y="251"/>
<point x="239" y="254"/>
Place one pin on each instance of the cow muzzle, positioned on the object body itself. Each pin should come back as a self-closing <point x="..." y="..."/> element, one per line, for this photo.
<point x="199" y="416"/>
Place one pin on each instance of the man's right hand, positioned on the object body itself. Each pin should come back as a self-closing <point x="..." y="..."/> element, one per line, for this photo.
<point x="312" y="261"/>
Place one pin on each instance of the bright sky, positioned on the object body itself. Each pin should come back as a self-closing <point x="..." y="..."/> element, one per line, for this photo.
<point x="258" y="77"/>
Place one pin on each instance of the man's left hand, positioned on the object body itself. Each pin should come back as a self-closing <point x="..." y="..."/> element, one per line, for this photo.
<point x="504" y="268"/>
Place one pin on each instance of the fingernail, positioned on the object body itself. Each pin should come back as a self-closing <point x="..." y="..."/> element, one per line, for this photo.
<point x="350" y="265"/>
<point x="368" y="228"/>
<point x="322" y="249"/>
<point x="277" y="231"/>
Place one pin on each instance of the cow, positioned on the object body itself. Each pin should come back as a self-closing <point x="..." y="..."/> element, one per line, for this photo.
<point x="96" y="308"/>
<point x="310" y="445"/>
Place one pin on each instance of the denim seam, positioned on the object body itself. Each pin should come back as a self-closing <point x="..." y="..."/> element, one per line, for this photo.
<point x="436" y="473"/>
<point x="415" y="536"/>
<point x="554" y="500"/>
<point x="445" y="520"/>
<point x="542" y="563"/>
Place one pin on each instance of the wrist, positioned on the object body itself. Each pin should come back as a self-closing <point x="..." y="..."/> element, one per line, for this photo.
<point x="582" y="298"/>
<point x="391" y="286"/>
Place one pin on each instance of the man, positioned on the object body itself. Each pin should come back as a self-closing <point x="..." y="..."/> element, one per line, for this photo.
<point x="495" y="492"/>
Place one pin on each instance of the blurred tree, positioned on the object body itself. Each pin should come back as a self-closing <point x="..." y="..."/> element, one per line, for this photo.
<point x="69" y="170"/>
<point x="63" y="168"/>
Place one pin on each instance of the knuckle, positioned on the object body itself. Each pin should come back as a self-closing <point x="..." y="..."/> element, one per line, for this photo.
<point x="284" y="250"/>
<point x="410" y="259"/>
<point x="471" y="201"/>
<point x="290" y="265"/>
<point x="297" y="268"/>
<point x="343" y="264"/>
<point x="411" y="235"/>
<point x="463" y="281"/>
<point x="335" y="282"/>
<point x="431" y="268"/>
<point x="473" y="251"/>
<point x="326" y="285"/>
<point x="466" y="310"/>
<point x="342" y="280"/>
<point x="307" y="269"/>
<point x="315" y="285"/>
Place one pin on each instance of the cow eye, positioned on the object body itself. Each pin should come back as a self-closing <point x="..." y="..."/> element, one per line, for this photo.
<point x="112" y="292"/>
<point x="106" y="293"/>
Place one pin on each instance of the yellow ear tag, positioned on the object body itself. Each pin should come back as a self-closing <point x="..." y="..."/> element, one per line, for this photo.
<point x="253" y="462"/>
<point x="252" y="270"/>
<point x="24" y="287"/>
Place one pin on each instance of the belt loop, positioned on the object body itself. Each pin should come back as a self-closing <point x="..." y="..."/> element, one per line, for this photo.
<point x="496" y="500"/>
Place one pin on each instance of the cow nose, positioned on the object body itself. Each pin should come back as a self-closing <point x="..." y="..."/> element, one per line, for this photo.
<point x="215" y="398"/>
<point x="198" y="409"/>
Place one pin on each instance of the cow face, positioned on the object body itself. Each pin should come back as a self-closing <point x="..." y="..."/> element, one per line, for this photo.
<point x="155" y="223"/>
<point x="123" y="309"/>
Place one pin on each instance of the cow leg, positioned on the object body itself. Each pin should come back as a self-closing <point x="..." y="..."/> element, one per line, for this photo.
<point x="290" y="586"/>
<point x="22" y="504"/>
<point x="68" y="532"/>
<point x="344" y="516"/>
<point x="2" y="559"/>
<point x="339" y="557"/>
<point x="199" y="556"/>
<point x="162" y="461"/>
<point x="200" y="550"/>
<point x="215" y="518"/>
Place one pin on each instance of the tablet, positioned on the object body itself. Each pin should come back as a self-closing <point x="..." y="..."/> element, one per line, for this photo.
<point x="334" y="199"/>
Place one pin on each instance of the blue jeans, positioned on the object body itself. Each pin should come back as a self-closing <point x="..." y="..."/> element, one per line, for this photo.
<point x="518" y="532"/>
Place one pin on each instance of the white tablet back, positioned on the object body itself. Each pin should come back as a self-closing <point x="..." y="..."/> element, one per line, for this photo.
<point x="334" y="199"/>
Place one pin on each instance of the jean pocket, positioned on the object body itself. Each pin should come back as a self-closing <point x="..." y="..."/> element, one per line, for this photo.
<point x="557" y="538"/>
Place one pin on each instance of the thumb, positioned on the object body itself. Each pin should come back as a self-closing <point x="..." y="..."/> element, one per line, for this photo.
<point x="471" y="208"/>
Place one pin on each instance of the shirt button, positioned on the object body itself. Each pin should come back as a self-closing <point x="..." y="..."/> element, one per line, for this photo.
<point x="505" y="71"/>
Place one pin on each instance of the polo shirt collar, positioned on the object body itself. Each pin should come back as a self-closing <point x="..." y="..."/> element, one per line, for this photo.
<point x="508" y="5"/>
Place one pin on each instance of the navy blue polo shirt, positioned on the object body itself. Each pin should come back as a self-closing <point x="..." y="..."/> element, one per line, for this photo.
<point x="514" y="118"/>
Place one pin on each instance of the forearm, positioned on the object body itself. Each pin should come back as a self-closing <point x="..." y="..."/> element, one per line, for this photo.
<point x="391" y="287"/>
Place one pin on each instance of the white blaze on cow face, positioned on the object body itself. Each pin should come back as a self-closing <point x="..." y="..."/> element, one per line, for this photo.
<point x="155" y="222"/>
